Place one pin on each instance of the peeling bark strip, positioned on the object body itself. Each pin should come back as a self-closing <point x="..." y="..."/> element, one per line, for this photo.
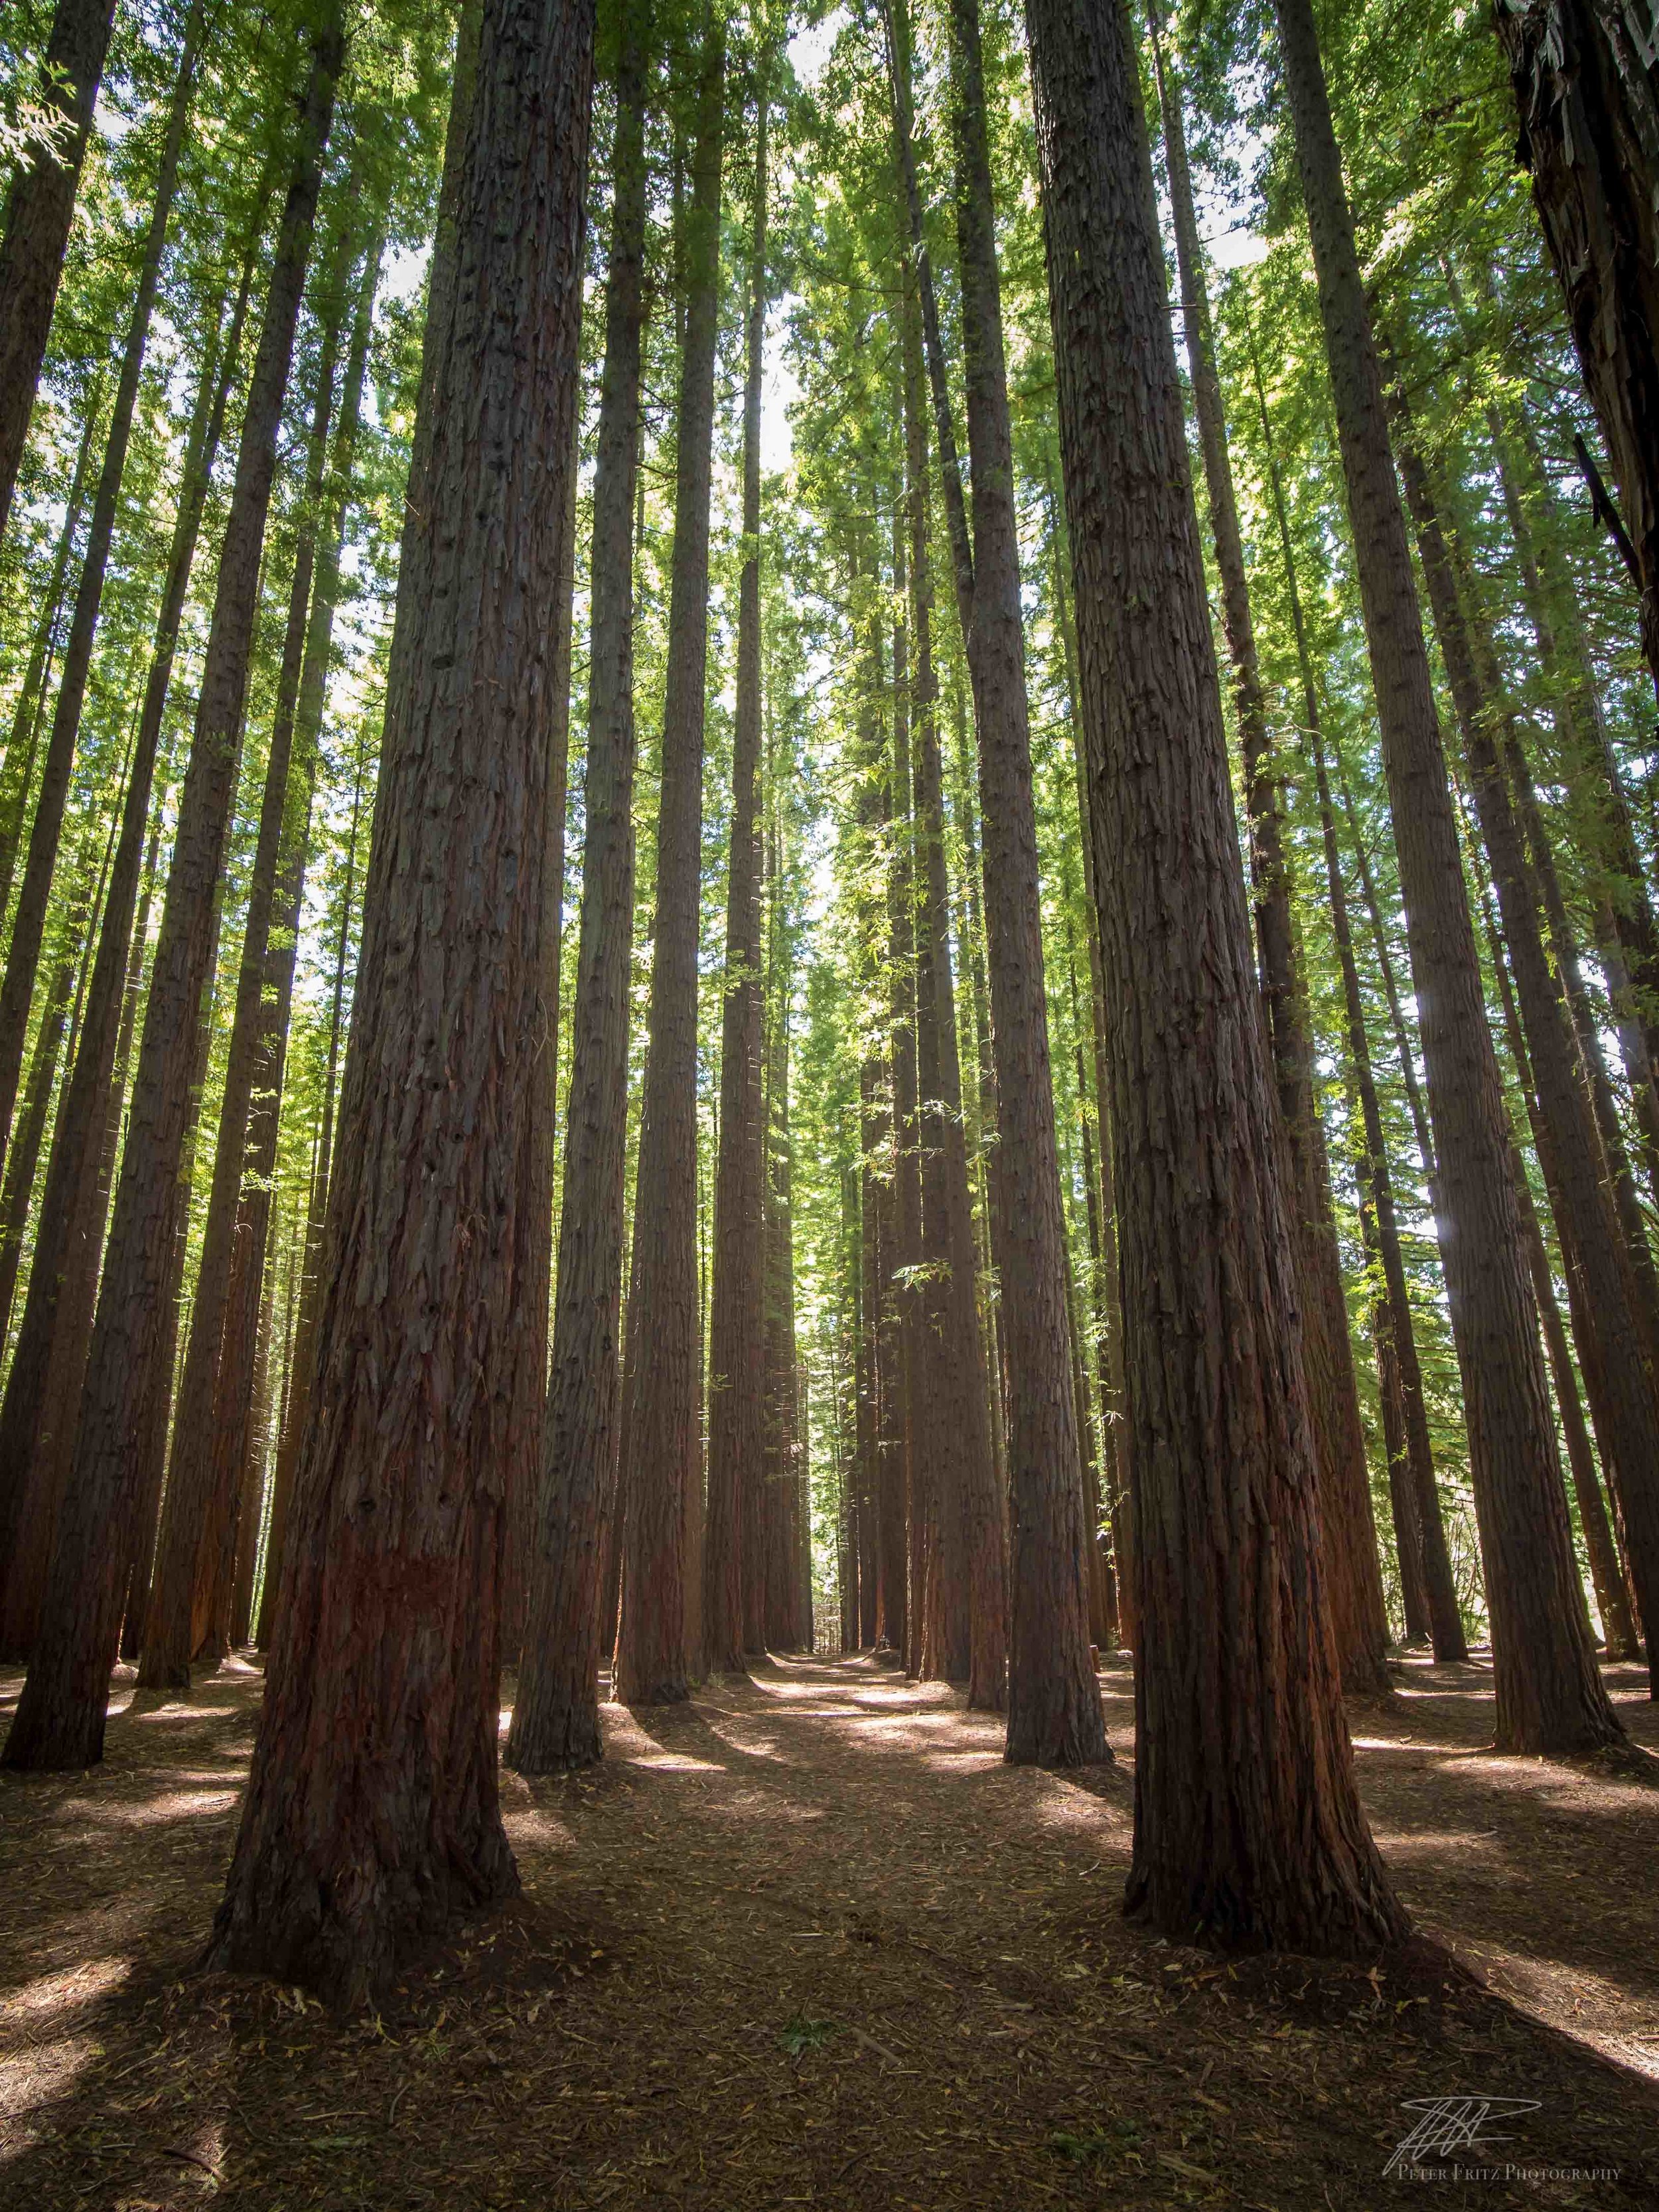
<point x="40" y="207"/>
<point x="1353" y="1575"/>
<point x="116" y="1466"/>
<point x="659" y="1450"/>
<point x="373" y="1809"/>
<point x="1248" y="1830"/>
<point x="555" y="1718"/>
<point x="1587" y="97"/>
<point x="1549" y="1696"/>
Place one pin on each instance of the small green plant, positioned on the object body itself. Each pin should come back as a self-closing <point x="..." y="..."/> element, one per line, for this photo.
<point x="1086" y="2149"/>
<point x="801" y="2034"/>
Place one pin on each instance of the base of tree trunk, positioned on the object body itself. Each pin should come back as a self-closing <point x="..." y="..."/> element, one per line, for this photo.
<point x="561" y="1739"/>
<point x="1059" y="1732"/>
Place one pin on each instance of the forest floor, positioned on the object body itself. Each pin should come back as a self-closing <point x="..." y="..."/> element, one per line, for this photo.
<point x="808" y="1942"/>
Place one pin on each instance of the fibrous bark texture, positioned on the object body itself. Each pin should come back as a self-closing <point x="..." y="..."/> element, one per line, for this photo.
<point x="1249" y="1831"/>
<point x="373" y="1809"/>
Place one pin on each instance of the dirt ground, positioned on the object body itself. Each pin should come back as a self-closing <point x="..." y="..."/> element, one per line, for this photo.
<point x="808" y="1942"/>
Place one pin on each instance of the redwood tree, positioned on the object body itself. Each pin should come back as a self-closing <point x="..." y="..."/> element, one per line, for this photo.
<point x="116" y="1463"/>
<point x="659" y="1450"/>
<point x="1248" y="1824"/>
<point x="373" y="1810"/>
<point x="1549" y="1696"/>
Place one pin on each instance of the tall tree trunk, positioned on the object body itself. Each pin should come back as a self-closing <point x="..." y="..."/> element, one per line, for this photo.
<point x="1587" y="89"/>
<point x="1400" y="1376"/>
<point x="1252" y="1836"/>
<point x="1353" y="1577"/>
<point x="1632" y="1410"/>
<point x="736" y="1326"/>
<point x="1614" y="1599"/>
<point x="302" y="1358"/>
<point x="168" y="1641"/>
<point x="40" y="207"/>
<point x="1549" y="1696"/>
<point x="28" y="924"/>
<point x="387" y="1631"/>
<point x="116" y="1460"/>
<point x="660" y="1449"/>
<point x="905" y="1208"/>
<point x="215" y="1565"/>
<point x="1054" y="1716"/>
<point x="556" y="1719"/>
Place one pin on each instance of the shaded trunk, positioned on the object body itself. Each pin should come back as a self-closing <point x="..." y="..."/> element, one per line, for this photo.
<point x="1549" y="1696"/>
<point x="214" y="1566"/>
<point x="732" y="1581"/>
<point x="392" y="1583"/>
<point x="556" y="1721"/>
<point x="1567" y="1128"/>
<point x="1253" y="1835"/>
<point x="1425" y="1555"/>
<point x="1587" y="91"/>
<point x="1353" y="1578"/>
<point x="660" y="1461"/>
<point x="39" y="209"/>
<point x="168" y="1640"/>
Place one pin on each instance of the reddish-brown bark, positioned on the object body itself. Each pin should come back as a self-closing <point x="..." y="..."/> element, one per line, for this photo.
<point x="115" y="1464"/>
<point x="373" y="1810"/>
<point x="1248" y="1830"/>
<point x="660" y="1448"/>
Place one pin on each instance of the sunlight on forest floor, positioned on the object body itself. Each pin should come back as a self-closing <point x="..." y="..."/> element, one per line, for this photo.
<point x="807" y="1940"/>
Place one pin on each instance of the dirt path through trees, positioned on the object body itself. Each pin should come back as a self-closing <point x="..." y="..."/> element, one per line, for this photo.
<point x="807" y="1941"/>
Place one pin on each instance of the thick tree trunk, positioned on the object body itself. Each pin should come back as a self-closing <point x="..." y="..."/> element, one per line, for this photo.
<point x="1549" y="1696"/>
<point x="1249" y="1834"/>
<point x="736" y="1328"/>
<point x="556" y="1719"/>
<point x="168" y="1641"/>
<point x="29" y="921"/>
<point x="660" y="1455"/>
<point x="40" y="207"/>
<point x="373" y="1810"/>
<point x="1353" y="1577"/>
<point x="115" y="1463"/>
<point x="1631" y="1412"/>
<point x="1587" y="90"/>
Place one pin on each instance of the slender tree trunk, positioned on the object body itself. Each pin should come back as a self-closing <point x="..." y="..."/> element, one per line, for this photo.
<point x="1400" y="1369"/>
<point x="1252" y="1835"/>
<point x="60" y="1718"/>
<point x="1054" y="1701"/>
<point x="168" y="1642"/>
<point x="18" y="773"/>
<point x="303" y="1360"/>
<point x="661" y="1457"/>
<point x="556" y="1720"/>
<point x="28" y="924"/>
<point x="905" y="1207"/>
<point x="392" y="1584"/>
<point x="40" y="207"/>
<point x="1353" y="1577"/>
<point x="1587" y="89"/>
<point x="1614" y="1599"/>
<point x="24" y="1156"/>
<point x="1549" y="1696"/>
<point x="215" y="1565"/>
<point x="1631" y="1412"/>
<point x="737" y="1335"/>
